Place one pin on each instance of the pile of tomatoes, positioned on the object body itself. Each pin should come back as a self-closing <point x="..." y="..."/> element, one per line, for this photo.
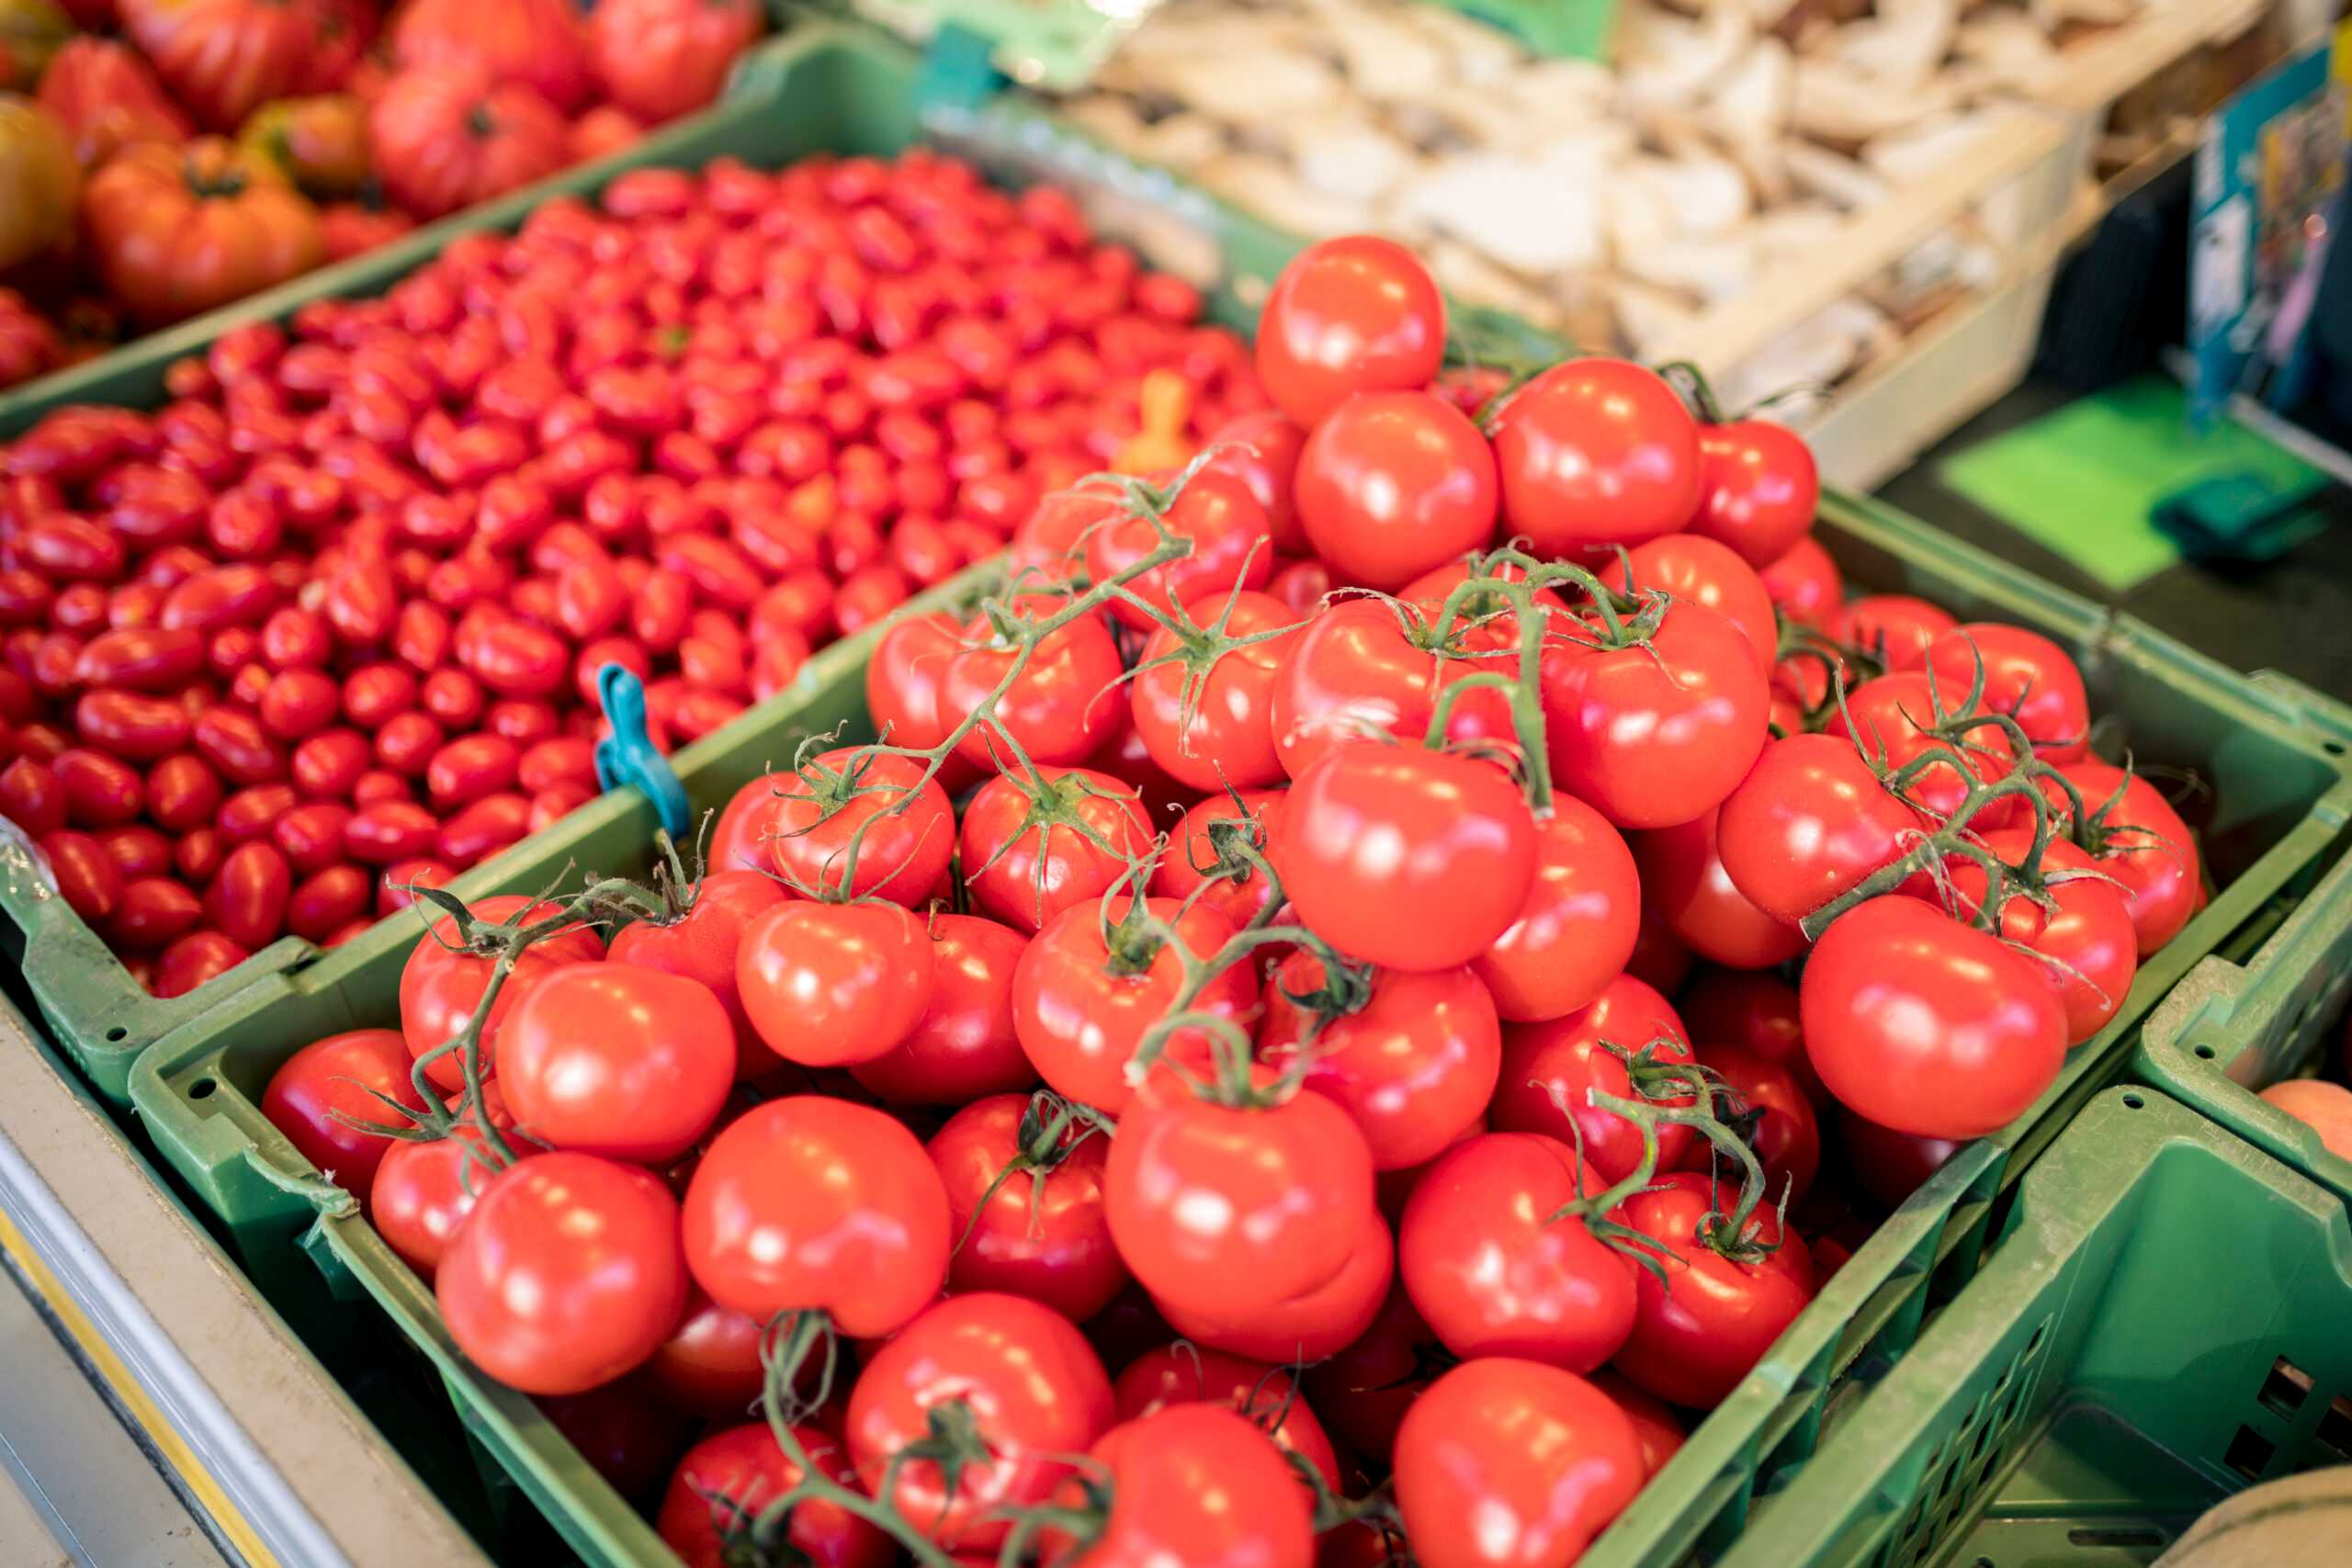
<point x="328" y="622"/>
<point x="1219" y="1043"/>
<point x="218" y="147"/>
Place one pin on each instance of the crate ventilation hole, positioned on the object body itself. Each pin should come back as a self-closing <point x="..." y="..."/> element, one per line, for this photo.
<point x="1963" y="1464"/>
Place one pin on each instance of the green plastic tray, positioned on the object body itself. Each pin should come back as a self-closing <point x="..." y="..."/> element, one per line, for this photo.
<point x="1585" y="29"/>
<point x="2166" y="1319"/>
<point x="2231" y="1030"/>
<point x="823" y="87"/>
<point x="2283" y="793"/>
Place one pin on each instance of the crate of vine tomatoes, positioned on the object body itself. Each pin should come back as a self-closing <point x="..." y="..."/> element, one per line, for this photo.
<point x="305" y="604"/>
<point x="1447" y="967"/>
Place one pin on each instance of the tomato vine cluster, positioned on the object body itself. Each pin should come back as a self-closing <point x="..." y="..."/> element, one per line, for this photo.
<point x="1218" y="1038"/>
<point x="328" y="624"/>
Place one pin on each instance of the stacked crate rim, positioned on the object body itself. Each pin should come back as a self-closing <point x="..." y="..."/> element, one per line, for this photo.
<point x="2074" y="1402"/>
<point x="2230" y="1030"/>
<point x="2286" y="800"/>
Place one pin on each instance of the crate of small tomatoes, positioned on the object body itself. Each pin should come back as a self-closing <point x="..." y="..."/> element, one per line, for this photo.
<point x="162" y="158"/>
<point x="328" y="620"/>
<point x="1441" y="1090"/>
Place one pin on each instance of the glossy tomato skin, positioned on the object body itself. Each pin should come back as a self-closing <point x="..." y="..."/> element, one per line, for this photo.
<point x="1695" y="568"/>
<point x="440" y="989"/>
<point x="1596" y="452"/>
<point x="1080" y="1013"/>
<point x="616" y="1060"/>
<point x="1161" y="1467"/>
<point x="1261" y="449"/>
<point x="902" y="680"/>
<point x="1185" y="1374"/>
<point x="1655" y="1425"/>
<point x="2026" y="675"/>
<point x="566" y="1275"/>
<point x="1031" y="1384"/>
<point x="1230" y="547"/>
<point x="1351" y="315"/>
<point x="1353" y="672"/>
<point x="2089" y="934"/>
<point x="1787" y="1135"/>
<point x="1391" y="484"/>
<point x="1215" y="730"/>
<point x="1494" y="1273"/>
<point x="332" y="1076"/>
<point x="1579" y="922"/>
<point x="1927" y="1026"/>
<point x="1809" y="822"/>
<point x="966" y="1046"/>
<point x="1361" y="1393"/>
<point x="744" y="1465"/>
<point x="1756" y="1013"/>
<point x="1684" y="882"/>
<point x="2144" y="845"/>
<point x="1507" y="1463"/>
<point x="1651" y="737"/>
<point x="1549" y="1067"/>
<point x="1694" y="1341"/>
<point x="1371" y="831"/>
<point x="1027" y="861"/>
<point x="709" y="1366"/>
<point x="1882" y="717"/>
<point x="1895" y="628"/>
<point x="903" y="857"/>
<point x="702" y="944"/>
<point x="661" y="57"/>
<point x="1305" y="1328"/>
<point x="811" y="1201"/>
<point x="1758" y="488"/>
<point x="1191" y="853"/>
<point x="1060" y="708"/>
<point x="1805" y="582"/>
<point x="1227" y="1210"/>
<point x="1046" y="1240"/>
<point x="826" y="985"/>
<point x="1414" y="1067"/>
<point x="422" y="1193"/>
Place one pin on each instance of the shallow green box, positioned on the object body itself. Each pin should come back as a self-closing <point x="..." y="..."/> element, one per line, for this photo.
<point x="2164" y="1319"/>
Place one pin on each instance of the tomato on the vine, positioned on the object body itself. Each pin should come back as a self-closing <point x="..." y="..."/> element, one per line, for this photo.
<point x="2088" y="947"/>
<point x="1697" y="569"/>
<point x="826" y="985"/>
<point x="701" y="943"/>
<point x="966" y="1046"/>
<point x="441" y="986"/>
<point x="1809" y="822"/>
<point x="1193" y="854"/>
<point x="824" y="811"/>
<point x="1058" y="709"/>
<point x="1031" y="852"/>
<point x="1363" y="669"/>
<point x="1357" y="314"/>
<point x="1391" y="484"/>
<point x="616" y="1060"/>
<point x="1216" y="511"/>
<point x="2136" y="837"/>
<point x="1549" y="1067"/>
<point x="1785" y="1133"/>
<point x="1185" y="1374"/>
<point x="1156" y="1470"/>
<point x="1696" y="1336"/>
<point x="1039" y="1231"/>
<point x="1685" y="884"/>
<point x="2026" y="676"/>
<point x="314" y="1089"/>
<point x="1203" y="710"/>
<point x="728" y="1478"/>
<point x="1757" y="488"/>
<point x="1595" y="452"/>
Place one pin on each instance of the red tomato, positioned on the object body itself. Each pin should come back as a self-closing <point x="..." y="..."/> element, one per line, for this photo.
<point x="1261" y="449"/>
<point x="1698" y="570"/>
<point x="1655" y="1425"/>
<point x="901" y="857"/>
<point x="1685" y="885"/>
<point x="1928" y="1026"/>
<point x="1653" y="734"/>
<point x="224" y="58"/>
<point x="1577" y="928"/>
<point x="702" y="943"/>
<point x="902" y="680"/>
<point x="2088" y="947"/>
<point x="661" y="57"/>
<point x="1805" y="582"/>
<point x="1183" y="1374"/>
<point x="1024" y="1382"/>
<point x="1786" y="1135"/>
<point x="1809" y="822"/>
<point x="2026" y="675"/>
<point x="1893" y="628"/>
<point x="1757" y="488"/>
<point x="1193" y="854"/>
<point x="1362" y="669"/>
<point x="1363" y="1393"/>
<point x="1596" y="452"/>
<point x="1494" y="1271"/>
<point x="1756" y="1013"/>
<point x="1226" y="1211"/>
<point x="1058" y="709"/>
<point x="1391" y="484"/>
<point x="2135" y="837"/>
<point x="626" y="1436"/>
<point x="2325" y="1108"/>
<point x="825" y="985"/>
<point x="1087" y="989"/>
<point x="1695" y="1338"/>
<point x="315" y="1088"/>
<point x="1506" y="1464"/>
<point x="422" y="1193"/>
<point x="537" y="41"/>
<point x="1230" y="548"/>
<point x="450" y="136"/>
<point x="440" y="987"/>
<point x="809" y="1202"/>
<point x="1039" y="1232"/>
<point x="727" y="1478"/>
<point x="1027" y="860"/>
<point x="1884" y="718"/>
<point x="1547" y="1067"/>
<point x="617" y="1060"/>
<point x="1414" y="1064"/>
<point x="1157" y="1471"/>
<point x="710" y="1364"/>
<point x="1358" y="314"/>
<point x="1304" y="1327"/>
<point x="1371" y="831"/>
<point x="1205" y="713"/>
<point x="566" y="1275"/>
<point x="966" y="1045"/>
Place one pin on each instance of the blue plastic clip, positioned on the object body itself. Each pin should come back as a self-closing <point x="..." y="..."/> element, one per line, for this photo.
<point x="627" y="755"/>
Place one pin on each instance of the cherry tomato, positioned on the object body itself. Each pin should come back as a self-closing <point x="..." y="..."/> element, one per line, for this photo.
<point x="1508" y="1463"/>
<point x="566" y="1273"/>
<point x="809" y="1202"/>
<point x="1369" y="829"/>
<point x="1393" y="483"/>
<point x="1358" y="314"/>
<point x="825" y="985"/>
<point x="1928" y="1026"/>
<point x="1028" y="1386"/>
<point x="317" y="1085"/>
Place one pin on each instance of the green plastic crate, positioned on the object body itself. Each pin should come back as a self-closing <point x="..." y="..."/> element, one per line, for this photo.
<point x="2164" y="1319"/>
<point x="2283" y="796"/>
<point x="2231" y="1030"/>
<point x="1582" y="30"/>
<point x="822" y="87"/>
